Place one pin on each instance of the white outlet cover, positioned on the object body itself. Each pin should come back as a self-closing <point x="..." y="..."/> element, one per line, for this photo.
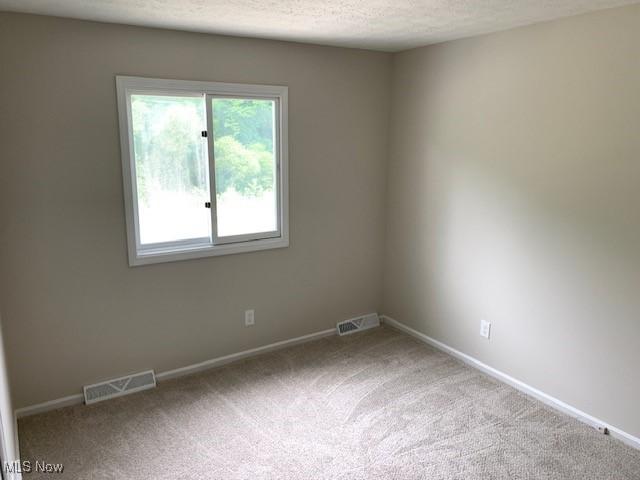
<point x="249" y="318"/>
<point x="485" y="328"/>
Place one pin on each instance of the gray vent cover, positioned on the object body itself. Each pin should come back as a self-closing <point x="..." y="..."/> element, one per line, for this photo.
<point x="119" y="386"/>
<point x="359" y="323"/>
<point x="347" y="327"/>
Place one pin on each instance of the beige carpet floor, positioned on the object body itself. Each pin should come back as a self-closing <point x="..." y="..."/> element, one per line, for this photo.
<point x="374" y="405"/>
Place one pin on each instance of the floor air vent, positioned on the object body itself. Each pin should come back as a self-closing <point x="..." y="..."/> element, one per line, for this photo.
<point x="119" y="386"/>
<point x="359" y="323"/>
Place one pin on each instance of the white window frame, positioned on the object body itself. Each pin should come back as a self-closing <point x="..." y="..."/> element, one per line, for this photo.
<point x="204" y="247"/>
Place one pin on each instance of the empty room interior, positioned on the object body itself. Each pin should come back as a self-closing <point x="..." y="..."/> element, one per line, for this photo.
<point x="320" y="240"/>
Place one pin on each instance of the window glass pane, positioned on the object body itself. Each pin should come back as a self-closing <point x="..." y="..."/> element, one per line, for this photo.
<point x="171" y="166"/>
<point x="245" y="165"/>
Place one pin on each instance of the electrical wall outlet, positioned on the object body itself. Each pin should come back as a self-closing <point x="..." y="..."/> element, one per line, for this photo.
<point x="485" y="328"/>
<point x="249" y="318"/>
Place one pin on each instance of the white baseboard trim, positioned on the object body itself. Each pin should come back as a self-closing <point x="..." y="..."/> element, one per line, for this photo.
<point x="217" y="362"/>
<point x="50" y="405"/>
<point x="517" y="384"/>
<point x="180" y="372"/>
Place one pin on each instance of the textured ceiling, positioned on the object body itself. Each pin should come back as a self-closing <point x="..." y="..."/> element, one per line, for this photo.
<point x="389" y="25"/>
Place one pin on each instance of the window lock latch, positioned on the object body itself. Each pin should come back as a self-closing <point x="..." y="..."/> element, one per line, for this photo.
<point x="204" y="133"/>
<point x="207" y="204"/>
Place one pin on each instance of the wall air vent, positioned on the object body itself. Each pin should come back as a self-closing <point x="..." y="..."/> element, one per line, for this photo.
<point x="119" y="386"/>
<point x="358" y="324"/>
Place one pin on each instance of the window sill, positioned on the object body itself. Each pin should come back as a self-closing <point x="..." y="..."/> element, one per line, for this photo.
<point x="203" y="251"/>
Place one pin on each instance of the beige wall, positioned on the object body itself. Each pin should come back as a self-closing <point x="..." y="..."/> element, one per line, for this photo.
<point x="514" y="194"/>
<point x="74" y="310"/>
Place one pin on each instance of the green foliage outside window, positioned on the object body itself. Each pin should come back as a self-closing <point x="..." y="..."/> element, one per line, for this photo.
<point x="243" y="141"/>
<point x="170" y="152"/>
